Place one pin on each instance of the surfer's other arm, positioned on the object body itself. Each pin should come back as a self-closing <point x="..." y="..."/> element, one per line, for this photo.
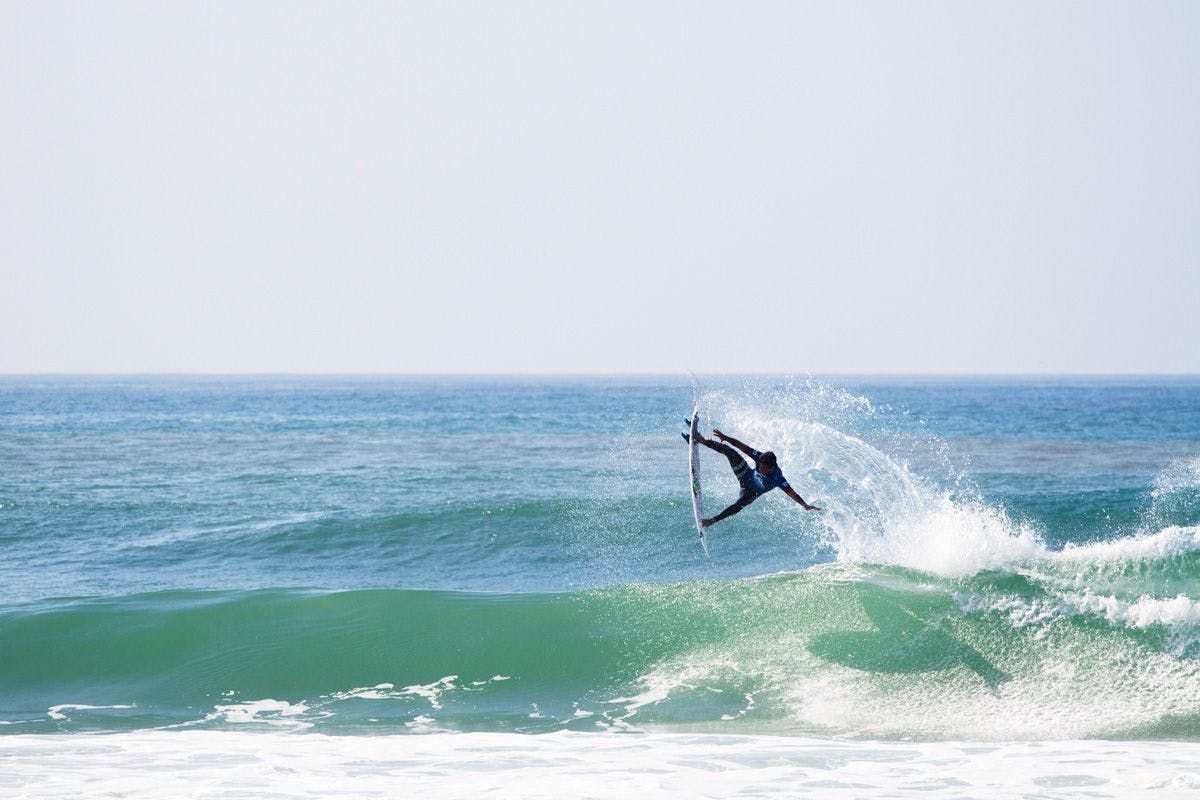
<point x="792" y="493"/>
<point x="745" y="448"/>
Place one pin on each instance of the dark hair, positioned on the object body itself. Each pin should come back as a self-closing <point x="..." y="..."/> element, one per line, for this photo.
<point x="768" y="458"/>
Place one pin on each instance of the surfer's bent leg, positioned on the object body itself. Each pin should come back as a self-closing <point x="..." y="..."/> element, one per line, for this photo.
<point x="746" y="499"/>
<point x="740" y="468"/>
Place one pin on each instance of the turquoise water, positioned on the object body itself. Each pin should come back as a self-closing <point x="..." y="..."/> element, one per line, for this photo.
<point x="1012" y="559"/>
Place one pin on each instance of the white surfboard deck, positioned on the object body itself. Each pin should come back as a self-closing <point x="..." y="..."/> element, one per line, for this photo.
<point x="694" y="467"/>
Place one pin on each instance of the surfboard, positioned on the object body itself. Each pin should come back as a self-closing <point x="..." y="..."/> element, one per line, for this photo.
<point x="694" y="467"/>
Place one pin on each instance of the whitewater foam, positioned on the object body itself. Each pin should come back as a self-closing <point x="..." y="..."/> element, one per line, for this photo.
<point x="1170" y="541"/>
<point x="267" y="711"/>
<point x="59" y="712"/>
<point x="432" y="691"/>
<point x="1141" y="613"/>
<point x="161" y="765"/>
<point x="946" y="537"/>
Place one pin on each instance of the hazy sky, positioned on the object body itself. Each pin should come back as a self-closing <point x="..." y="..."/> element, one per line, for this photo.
<point x="600" y="187"/>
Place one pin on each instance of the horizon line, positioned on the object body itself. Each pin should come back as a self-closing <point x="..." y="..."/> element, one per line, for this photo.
<point x="637" y="374"/>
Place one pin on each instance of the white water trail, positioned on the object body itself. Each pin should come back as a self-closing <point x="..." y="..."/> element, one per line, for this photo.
<point x="874" y="509"/>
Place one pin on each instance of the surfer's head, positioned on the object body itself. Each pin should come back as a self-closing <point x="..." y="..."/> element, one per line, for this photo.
<point x="767" y="462"/>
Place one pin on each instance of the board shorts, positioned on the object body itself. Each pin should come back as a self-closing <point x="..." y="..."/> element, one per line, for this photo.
<point x="741" y="469"/>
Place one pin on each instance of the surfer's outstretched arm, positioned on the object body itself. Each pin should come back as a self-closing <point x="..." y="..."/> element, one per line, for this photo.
<point x="745" y="448"/>
<point x="792" y="493"/>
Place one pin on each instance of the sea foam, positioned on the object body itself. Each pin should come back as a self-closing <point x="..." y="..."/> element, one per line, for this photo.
<point x="153" y="765"/>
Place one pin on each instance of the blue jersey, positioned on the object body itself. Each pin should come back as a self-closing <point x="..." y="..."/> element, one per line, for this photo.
<point x="761" y="484"/>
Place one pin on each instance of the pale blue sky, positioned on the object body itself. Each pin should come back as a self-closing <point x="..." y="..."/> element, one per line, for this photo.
<point x="956" y="187"/>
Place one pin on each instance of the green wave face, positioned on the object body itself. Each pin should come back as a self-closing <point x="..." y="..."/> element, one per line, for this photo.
<point x="1053" y="650"/>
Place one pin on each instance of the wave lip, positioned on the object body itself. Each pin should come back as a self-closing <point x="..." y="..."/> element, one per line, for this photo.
<point x="1171" y="541"/>
<point x="947" y="538"/>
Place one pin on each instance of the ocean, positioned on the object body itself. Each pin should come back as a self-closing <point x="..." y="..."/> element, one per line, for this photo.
<point x="290" y="587"/>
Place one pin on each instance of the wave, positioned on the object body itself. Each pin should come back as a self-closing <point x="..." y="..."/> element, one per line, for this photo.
<point x="850" y="650"/>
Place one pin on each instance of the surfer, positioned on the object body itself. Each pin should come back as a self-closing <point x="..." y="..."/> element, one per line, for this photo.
<point x="757" y="481"/>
